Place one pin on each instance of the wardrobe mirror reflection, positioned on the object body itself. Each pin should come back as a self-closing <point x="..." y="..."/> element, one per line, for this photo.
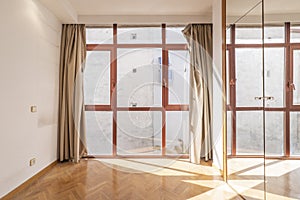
<point x="245" y="121"/>
<point x="282" y="111"/>
<point x="263" y="98"/>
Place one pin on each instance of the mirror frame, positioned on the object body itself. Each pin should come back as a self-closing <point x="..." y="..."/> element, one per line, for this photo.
<point x="224" y="103"/>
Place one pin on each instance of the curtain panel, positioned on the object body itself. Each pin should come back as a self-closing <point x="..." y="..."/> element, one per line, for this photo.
<point x="71" y="125"/>
<point x="199" y="38"/>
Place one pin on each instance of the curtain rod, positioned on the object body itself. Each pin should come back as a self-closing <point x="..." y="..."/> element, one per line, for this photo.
<point x="133" y="25"/>
<point x="256" y="25"/>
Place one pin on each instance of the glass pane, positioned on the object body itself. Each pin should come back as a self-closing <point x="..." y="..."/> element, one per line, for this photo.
<point x="249" y="135"/>
<point x="227" y="79"/>
<point x="179" y="76"/>
<point x="139" y="77"/>
<point x="229" y="132"/>
<point x="296" y="77"/>
<point x="139" y="132"/>
<point x="248" y="35"/>
<point x="274" y="76"/>
<point x="274" y="34"/>
<point x="295" y="33"/>
<point x="295" y="133"/>
<point x="228" y="35"/>
<point x="99" y="35"/>
<point x="274" y="133"/>
<point x="97" y="78"/>
<point x="175" y="36"/>
<point x="177" y="131"/>
<point x="249" y="77"/>
<point x="144" y="35"/>
<point x="99" y="132"/>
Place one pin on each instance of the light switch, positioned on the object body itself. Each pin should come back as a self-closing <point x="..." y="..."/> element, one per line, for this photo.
<point x="33" y="109"/>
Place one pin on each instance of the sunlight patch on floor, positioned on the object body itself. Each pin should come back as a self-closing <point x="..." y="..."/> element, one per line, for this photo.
<point x="245" y="187"/>
<point x="138" y="166"/>
<point x="278" y="197"/>
<point x="242" y="164"/>
<point x="257" y="171"/>
<point x="281" y="168"/>
<point x="246" y="178"/>
<point x="220" y="190"/>
<point x="274" y="168"/>
<point x="182" y="165"/>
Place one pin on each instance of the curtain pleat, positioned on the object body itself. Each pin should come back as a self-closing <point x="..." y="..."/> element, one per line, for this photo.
<point x="199" y="38"/>
<point x="72" y="135"/>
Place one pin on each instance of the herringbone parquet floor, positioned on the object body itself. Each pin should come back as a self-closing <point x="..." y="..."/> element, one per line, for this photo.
<point x="128" y="179"/>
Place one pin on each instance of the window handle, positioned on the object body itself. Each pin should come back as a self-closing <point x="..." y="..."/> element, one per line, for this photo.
<point x="164" y="83"/>
<point x="232" y="82"/>
<point x="292" y="86"/>
<point x="133" y="104"/>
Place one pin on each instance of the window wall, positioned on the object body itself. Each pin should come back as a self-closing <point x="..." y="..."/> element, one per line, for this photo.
<point x="137" y="91"/>
<point x="281" y="74"/>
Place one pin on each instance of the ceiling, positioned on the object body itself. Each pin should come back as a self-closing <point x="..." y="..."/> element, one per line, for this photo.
<point x="130" y="11"/>
<point x="271" y="7"/>
<point x="281" y="6"/>
<point x="250" y="11"/>
<point x="142" y="7"/>
<point x="169" y="11"/>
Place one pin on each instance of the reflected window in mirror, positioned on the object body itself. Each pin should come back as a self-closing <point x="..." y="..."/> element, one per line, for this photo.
<point x="295" y="33"/>
<point x="248" y="34"/>
<point x="281" y="76"/>
<point x="274" y="33"/>
<point x="228" y="35"/>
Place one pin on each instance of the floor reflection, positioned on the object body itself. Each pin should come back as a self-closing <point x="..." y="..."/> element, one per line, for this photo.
<point x="282" y="178"/>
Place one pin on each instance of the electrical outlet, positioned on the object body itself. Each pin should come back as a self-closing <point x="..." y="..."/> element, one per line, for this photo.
<point x="32" y="162"/>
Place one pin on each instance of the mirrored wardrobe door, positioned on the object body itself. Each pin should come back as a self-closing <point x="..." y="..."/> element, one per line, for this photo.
<point x="245" y="116"/>
<point x="282" y="102"/>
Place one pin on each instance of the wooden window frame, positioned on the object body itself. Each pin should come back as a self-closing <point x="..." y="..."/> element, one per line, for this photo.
<point x="113" y="106"/>
<point x="288" y="92"/>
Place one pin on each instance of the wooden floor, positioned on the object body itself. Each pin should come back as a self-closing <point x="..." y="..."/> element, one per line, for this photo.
<point x="129" y="179"/>
<point x="246" y="176"/>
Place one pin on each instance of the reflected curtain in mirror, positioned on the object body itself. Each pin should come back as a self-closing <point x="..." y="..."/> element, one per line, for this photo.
<point x="199" y="38"/>
<point x="72" y="143"/>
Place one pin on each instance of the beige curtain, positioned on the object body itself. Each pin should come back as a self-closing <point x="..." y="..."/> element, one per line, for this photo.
<point x="72" y="143"/>
<point x="199" y="37"/>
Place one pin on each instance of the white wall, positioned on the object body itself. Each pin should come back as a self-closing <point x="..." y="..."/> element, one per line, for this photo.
<point x="217" y="85"/>
<point x="29" y="54"/>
